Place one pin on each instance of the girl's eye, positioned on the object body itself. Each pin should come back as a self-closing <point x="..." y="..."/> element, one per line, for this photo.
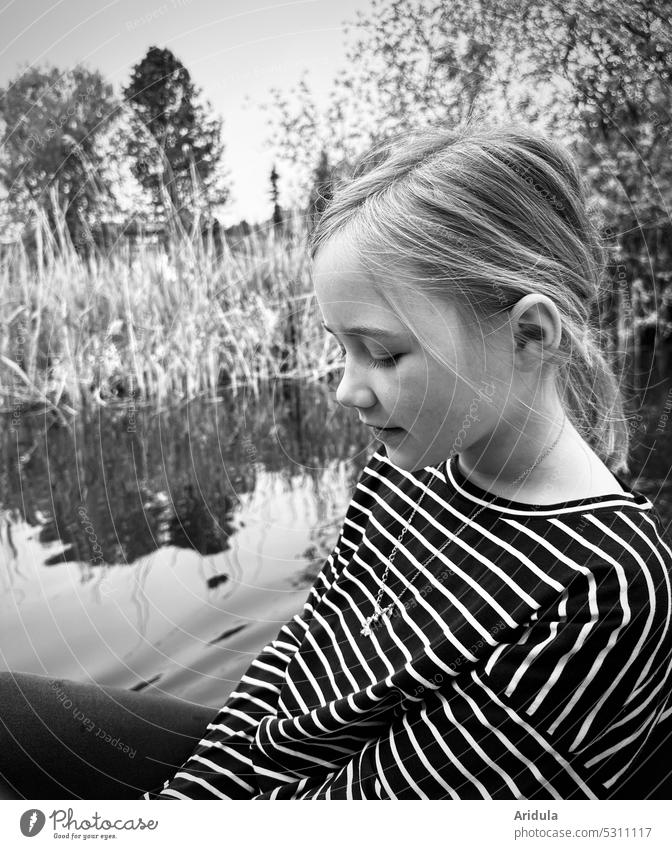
<point x="385" y="362"/>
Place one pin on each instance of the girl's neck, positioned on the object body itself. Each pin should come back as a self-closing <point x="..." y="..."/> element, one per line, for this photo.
<point x="571" y="470"/>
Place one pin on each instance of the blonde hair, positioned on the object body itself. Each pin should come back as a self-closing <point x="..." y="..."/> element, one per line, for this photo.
<point x="483" y="217"/>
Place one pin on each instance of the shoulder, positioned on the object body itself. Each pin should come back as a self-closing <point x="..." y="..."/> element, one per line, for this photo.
<point x="606" y="551"/>
<point x="613" y="530"/>
<point x="628" y="564"/>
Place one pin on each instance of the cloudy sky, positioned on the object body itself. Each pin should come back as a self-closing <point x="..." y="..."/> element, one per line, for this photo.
<point x="236" y="51"/>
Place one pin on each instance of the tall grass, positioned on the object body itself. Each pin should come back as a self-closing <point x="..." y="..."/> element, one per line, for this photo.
<point x="162" y="323"/>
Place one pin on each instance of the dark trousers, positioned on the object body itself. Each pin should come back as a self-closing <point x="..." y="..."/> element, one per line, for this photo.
<point x="63" y="740"/>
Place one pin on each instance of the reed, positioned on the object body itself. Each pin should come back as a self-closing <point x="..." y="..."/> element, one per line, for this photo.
<point x="157" y="323"/>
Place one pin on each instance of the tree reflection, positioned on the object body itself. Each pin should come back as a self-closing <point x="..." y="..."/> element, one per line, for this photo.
<point x="116" y="486"/>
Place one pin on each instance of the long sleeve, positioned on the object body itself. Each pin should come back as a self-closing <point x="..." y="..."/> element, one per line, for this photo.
<point x="468" y="744"/>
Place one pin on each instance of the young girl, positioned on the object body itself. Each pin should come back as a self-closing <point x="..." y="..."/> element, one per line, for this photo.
<point x="494" y="619"/>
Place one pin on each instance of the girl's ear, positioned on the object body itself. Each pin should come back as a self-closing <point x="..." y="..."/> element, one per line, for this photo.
<point x="536" y="327"/>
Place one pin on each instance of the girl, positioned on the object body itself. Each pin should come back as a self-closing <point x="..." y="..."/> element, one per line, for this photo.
<point x="494" y="619"/>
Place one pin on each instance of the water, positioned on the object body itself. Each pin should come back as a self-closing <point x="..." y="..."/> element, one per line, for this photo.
<point x="163" y="550"/>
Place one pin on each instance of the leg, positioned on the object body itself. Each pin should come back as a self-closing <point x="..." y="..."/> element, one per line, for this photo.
<point x="64" y="740"/>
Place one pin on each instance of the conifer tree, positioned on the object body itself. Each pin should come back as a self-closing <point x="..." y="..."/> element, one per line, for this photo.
<point x="177" y="147"/>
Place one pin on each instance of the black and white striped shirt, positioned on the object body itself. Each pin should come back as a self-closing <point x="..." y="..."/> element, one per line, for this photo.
<point x="530" y="659"/>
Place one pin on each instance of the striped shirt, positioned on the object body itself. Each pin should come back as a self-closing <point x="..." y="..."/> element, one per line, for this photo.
<point x="529" y="659"/>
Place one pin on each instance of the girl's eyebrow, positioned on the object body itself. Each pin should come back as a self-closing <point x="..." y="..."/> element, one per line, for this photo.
<point x="362" y="330"/>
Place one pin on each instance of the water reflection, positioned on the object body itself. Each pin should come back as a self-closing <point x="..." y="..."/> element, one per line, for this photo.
<point x="178" y="542"/>
<point x="119" y="485"/>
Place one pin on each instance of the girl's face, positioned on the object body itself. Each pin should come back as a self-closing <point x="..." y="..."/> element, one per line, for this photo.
<point x="392" y="381"/>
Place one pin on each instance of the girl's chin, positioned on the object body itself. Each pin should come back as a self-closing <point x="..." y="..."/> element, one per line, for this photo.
<point x="392" y="435"/>
<point x="406" y="456"/>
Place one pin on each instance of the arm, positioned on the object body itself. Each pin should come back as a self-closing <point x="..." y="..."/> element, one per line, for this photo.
<point x="466" y="743"/>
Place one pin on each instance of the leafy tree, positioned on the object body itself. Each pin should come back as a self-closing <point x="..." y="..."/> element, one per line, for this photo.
<point x="616" y="64"/>
<point x="597" y="68"/>
<point x="408" y="63"/>
<point x="54" y="125"/>
<point x="177" y="147"/>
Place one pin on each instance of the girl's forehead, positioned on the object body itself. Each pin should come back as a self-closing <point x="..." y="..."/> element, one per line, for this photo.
<point x="377" y="291"/>
<point x="340" y="270"/>
<point x="343" y="285"/>
<point x="338" y="263"/>
<point x="372" y="316"/>
<point x="361" y="316"/>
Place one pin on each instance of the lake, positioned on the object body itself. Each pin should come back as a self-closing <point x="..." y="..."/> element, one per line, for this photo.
<point x="162" y="549"/>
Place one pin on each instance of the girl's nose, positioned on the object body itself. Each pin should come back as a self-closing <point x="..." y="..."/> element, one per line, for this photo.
<point x="353" y="390"/>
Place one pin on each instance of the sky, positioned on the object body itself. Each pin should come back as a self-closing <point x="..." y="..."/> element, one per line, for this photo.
<point x="235" y="50"/>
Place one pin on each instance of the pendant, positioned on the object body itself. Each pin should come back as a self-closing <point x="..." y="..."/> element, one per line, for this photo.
<point x="384" y="611"/>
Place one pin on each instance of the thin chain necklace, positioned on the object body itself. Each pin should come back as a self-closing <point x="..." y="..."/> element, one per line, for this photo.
<point x="385" y="611"/>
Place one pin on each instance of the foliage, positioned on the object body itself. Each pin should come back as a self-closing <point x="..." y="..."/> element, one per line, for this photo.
<point x="616" y="63"/>
<point x="176" y="144"/>
<point x="54" y="125"/>
<point x="407" y="64"/>
<point x="598" y="71"/>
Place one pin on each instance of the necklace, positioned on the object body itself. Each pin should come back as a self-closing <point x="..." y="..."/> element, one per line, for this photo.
<point x="385" y="611"/>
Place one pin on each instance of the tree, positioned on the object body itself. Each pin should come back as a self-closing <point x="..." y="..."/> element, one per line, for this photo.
<point x="177" y="148"/>
<point x="322" y="189"/>
<point x="615" y="63"/>
<point x="408" y="64"/>
<point x="277" y="211"/>
<point x="53" y="128"/>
